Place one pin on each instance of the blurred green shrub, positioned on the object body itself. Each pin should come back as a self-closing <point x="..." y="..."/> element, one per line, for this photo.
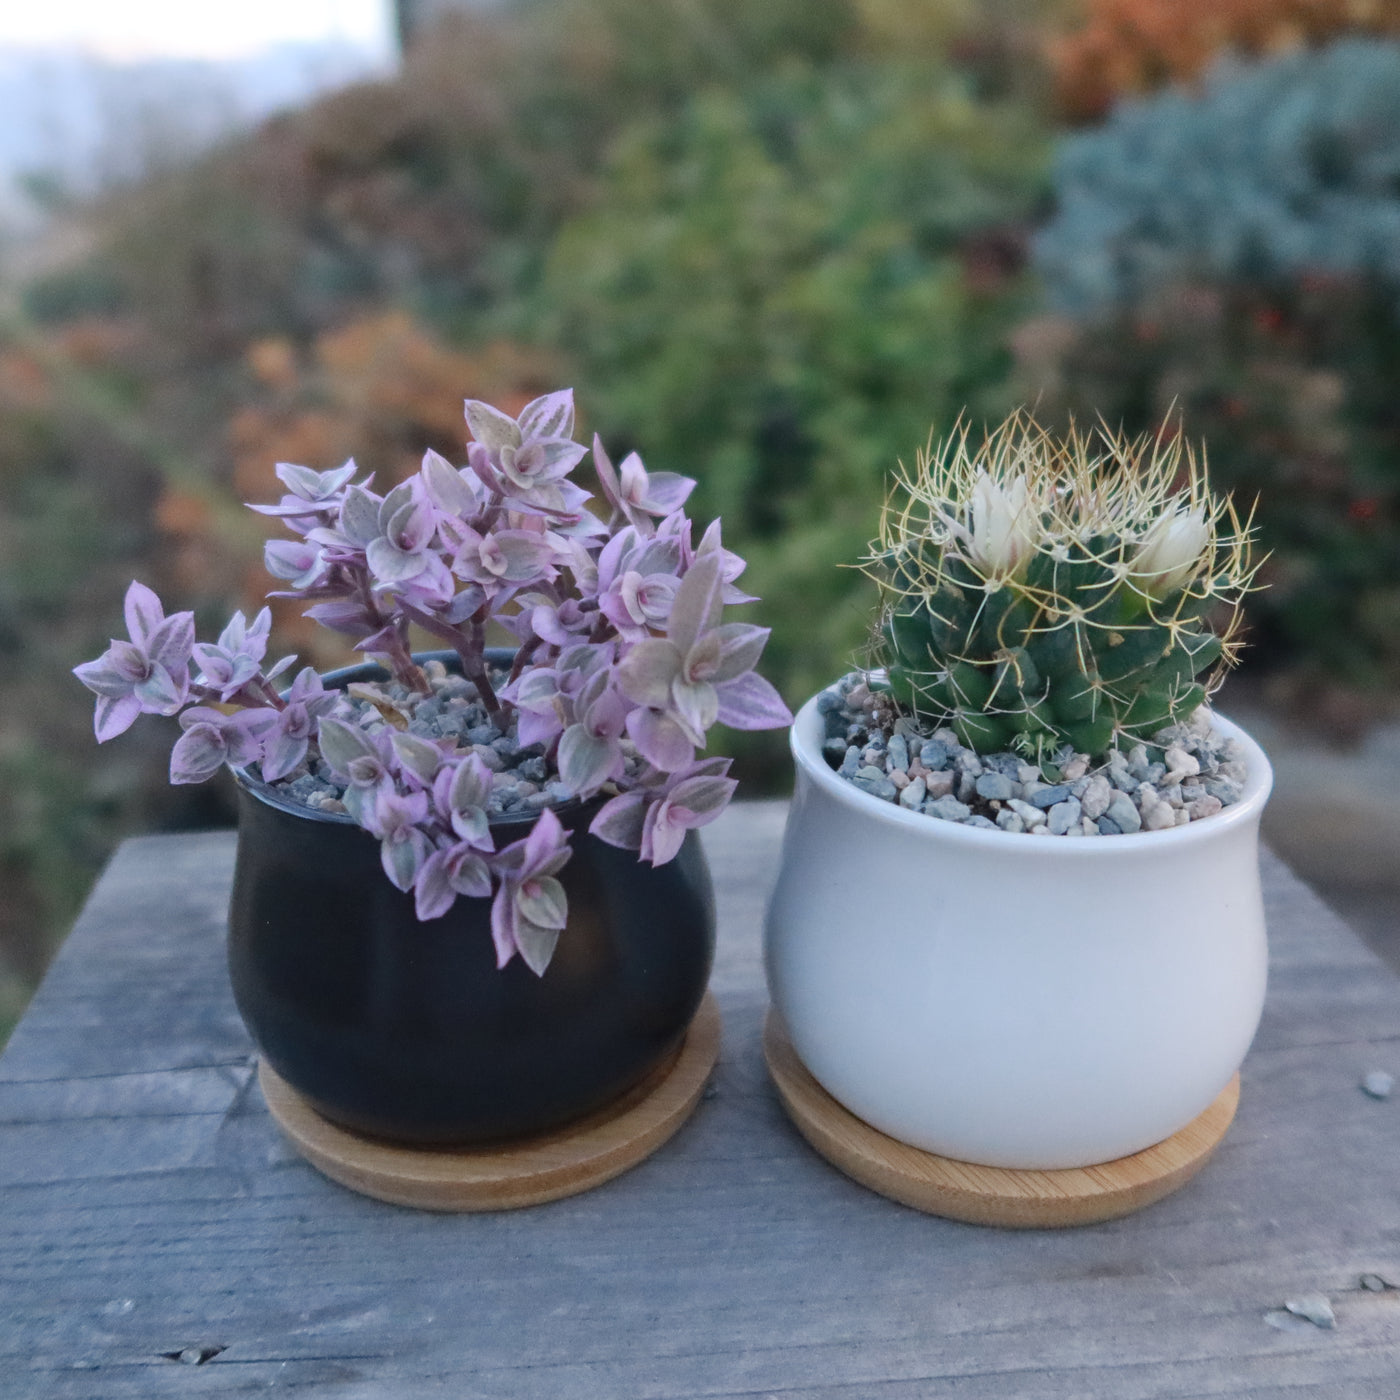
<point x="778" y="291"/>
<point x="1271" y="169"/>
<point x="1293" y="386"/>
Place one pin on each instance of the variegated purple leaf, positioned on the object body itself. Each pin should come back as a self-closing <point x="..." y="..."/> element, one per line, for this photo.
<point x="620" y="821"/>
<point x="749" y="702"/>
<point x="198" y="754"/>
<point x="660" y="739"/>
<point x="143" y="611"/>
<point x="446" y="487"/>
<point x="586" y="761"/>
<point x="359" y="516"/>
<point x="402" y="858"/>
<point x="161" y="693"/>
<point x="418" y="756"/>
<point x="645" y="674"/>
<point x="740" y="646"/>
<point x="694" y="706"/>
<point x="490" y="427"/>
<point x="301" y="564"/>
<point x="108" y="676"/>
<point x="114" y="715"/>
<point x="536" y="944"/>
<point x="444" y="875"/>
<point x="341" y="744"/>
<point x="550" y="416"/>
<point x="698" y="602"/>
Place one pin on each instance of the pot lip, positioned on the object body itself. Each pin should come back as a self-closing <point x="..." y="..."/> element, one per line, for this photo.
<point x="804" y="740"/>
<point x="338" y="679"/>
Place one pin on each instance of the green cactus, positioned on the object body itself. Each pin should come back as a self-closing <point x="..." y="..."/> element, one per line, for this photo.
<point x="1040" y="591"/>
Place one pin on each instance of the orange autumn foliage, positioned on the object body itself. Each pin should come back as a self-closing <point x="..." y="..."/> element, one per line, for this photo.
<point x="1133" y="46"/>
<point x="381" y="389"/>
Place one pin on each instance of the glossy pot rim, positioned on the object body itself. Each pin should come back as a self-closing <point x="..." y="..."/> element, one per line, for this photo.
<point x="338" y="679"/>
<point x="805" y="739"/>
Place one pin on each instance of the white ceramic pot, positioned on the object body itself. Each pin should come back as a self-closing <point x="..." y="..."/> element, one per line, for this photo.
<point x="1010" y="1000"/>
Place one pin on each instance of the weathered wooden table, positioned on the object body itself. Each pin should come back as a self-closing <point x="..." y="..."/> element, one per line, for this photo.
<point x="151" y="1210"/>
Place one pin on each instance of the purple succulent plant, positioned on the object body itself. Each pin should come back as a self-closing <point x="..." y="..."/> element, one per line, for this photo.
<point x="624" y="660"/>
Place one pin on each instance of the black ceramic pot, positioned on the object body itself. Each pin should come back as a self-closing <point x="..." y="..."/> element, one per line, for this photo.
<point x="407" y="1030"/>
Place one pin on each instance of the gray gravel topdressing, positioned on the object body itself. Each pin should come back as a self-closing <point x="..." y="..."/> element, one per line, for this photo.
<point x="1187" y="772"/>
<point x="521" y="779"/>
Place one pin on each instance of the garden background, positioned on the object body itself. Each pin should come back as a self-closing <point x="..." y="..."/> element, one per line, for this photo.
<point x="772" y="246"/>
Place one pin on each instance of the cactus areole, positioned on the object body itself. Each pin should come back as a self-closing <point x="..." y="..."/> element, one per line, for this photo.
<point x="1039" y="591"/>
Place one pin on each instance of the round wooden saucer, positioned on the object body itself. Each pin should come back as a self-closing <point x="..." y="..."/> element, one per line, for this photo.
<point x="523" y="1173"/>
<point x="989" y="1195"/>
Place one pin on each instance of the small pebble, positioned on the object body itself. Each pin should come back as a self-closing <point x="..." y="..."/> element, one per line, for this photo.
<point x="1064" y="817"/>
<point x="1098" y="793"/>
<point x="1315" y="1307"/>
<point x="1204" y="807"/>
<point x="939" y="784"/>
<point x="1122" y="812"/>
<point x="949" y="809"/>
<point x="1156" y="814"/>
<point x="981" y="821"/>
<point x="995" y="787"/>
<point x="1181" y="764"/>
<point x="913" y="796"/>
<point x="1138" y="762"/>
<point x="934" y="755"/>
<point x="489" y="757"/>
<point x="1378" y="1084"/>
<point x="898" y="751"/>
<point x="1047" y="797"/>
<point x="1226" y="789"/>
<point x="880" y="787"/>
<point x="1374" y="1283"/>
<point x="1108" y="827"/>
<point x="1075" y="769"/>
<point x="899" y="778"/>
<point x="1007" y="820"/>
<point x="1032" y="817"/>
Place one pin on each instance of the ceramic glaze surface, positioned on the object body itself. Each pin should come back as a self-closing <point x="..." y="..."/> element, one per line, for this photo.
<point x="1011" y="1000"/>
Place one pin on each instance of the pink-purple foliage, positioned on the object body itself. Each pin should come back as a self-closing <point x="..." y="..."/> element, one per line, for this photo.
<point x="623" y="663"/>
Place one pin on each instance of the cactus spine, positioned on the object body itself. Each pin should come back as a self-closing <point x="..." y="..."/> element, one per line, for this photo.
<point x="1039" y="591"/>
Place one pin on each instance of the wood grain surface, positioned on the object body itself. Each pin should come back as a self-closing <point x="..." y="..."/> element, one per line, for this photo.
<point x="577" y="1158"/>
<point x="150" y="1207"/>
<point x="989" y="1195"/>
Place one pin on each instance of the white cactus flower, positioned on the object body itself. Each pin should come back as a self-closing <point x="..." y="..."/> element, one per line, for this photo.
<point x="1001" y="536"/>
<point x="1169" y="551"/>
